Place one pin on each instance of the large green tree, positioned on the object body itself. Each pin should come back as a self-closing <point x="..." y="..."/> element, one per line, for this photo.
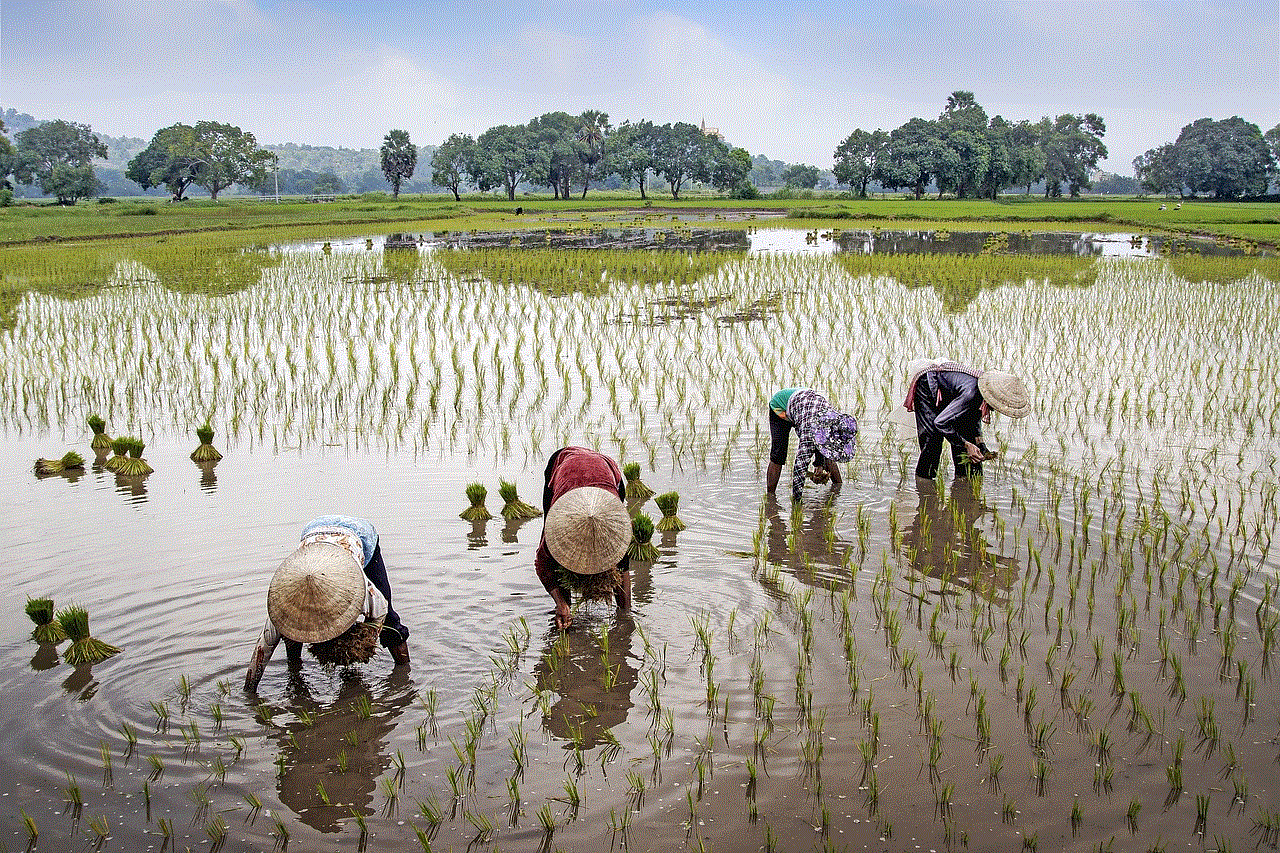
<point x="504" y="158"/>
<point x="911" y="158"/>
<point x="1072" y="146"/>
<point x="452" y="163"/>
<point x="59" y="156"/>
<point x="553" y="151"/>
<point x="683" y="153"/>
<point x="1227" y="159"/>
<point x="209" y="154"/>
<point x="8" y="162"/>
<point x="964" y="149"/>
<point x="631" y="152"/>
<point x="172" y="160"/>
<point x="399" y="159"/>
<point x="856" y="157"/>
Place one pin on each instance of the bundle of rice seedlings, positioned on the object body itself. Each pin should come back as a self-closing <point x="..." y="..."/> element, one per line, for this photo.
<point x="512" y="506"/>
<point x="101" y="441"/>
<point x="597" y="587"/>
<point x="636" y="489"/>
<point x="476" y="493"/>
<point x="642" y="531"/>
<point x="70" y="461"/>
<point x="355" y="645"/>
<point x="206" y="451"/>
<point x="668" y="503"/>
<point x="119" y="446"/>
<point x="47" y="630"/>
<point x="135" y="465"/>
<point x="84" y="648"/>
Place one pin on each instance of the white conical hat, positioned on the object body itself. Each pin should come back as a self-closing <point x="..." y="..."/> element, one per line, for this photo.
<point x="587" y="530"/>
<point x="316" y="594"/>
<point x="1005" y="393"/>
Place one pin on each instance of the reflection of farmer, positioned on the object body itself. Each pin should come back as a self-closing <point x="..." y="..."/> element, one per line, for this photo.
<point x="826" y="436"/>
<point x="944" y="539"/>
<point x="806" y="551"/>
<point x="951" y="403"/>
<point x="586" y="530"/>
<point x="593" y="682"/>
<point x="340" y="748"/>
<point x="319" y="594"/>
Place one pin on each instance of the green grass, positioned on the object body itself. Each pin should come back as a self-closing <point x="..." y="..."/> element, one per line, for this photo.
<point x="352" y="215"/>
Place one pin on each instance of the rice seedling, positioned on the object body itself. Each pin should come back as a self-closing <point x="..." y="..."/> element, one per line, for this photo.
<point x="669" y="503"/>
<point x="512" y="506"/>
<point x="205" y="451"/>
<point x="476" y="494"/>
<point x="100" y="442"/>
<point x="636" y="490"/>
<point x="47" y="630"/>
<point x="642" y="548"/>
<point x="100" y="829"/>
<point x="74" y="621"/>
<point x="69" y="461"/>
<point x="133" y="465"/>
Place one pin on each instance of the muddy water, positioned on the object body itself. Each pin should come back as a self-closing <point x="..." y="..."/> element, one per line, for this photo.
<point x="903" y="665"/>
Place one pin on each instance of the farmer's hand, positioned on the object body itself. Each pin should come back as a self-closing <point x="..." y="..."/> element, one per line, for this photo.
<point x="975" y="454"/>
<point x="819" y="475"/>
<point x="563" y="616"/>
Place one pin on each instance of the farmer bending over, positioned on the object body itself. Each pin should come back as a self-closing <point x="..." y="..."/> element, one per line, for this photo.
<point x="826" y="436"/>
<point x="951" y="403"/>
<point x="586" y="531"/>
<point x="319" y="593"/>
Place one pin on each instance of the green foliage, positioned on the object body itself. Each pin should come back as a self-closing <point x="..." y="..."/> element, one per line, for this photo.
<point x="398" y="158"/>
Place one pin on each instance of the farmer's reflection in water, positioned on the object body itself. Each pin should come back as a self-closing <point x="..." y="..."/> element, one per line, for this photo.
<point x="334" y="752"/>
<point x="945" y="541"/>
<point x="591" y="675"/>
<point x="808" y="545"/>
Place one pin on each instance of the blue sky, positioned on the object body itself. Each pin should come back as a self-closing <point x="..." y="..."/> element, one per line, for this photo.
<point x="786" y="79"/>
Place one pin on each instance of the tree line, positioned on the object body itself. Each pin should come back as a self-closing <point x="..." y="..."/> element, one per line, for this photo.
<point x="962" y="153"/>
<point x="968" y="155"/>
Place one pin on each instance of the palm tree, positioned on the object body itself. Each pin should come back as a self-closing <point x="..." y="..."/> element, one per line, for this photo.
<point x="592" y="133"/>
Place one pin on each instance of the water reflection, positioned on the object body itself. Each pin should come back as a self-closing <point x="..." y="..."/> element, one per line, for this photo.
<point x="591" y="673"/>
<point x="945" y="541"/>
<point x="81" y="681"/>
<point x="46" y="657"/>
<point x="808" y="545"/>
<point x="134" y="486"/>
<point x="332" y="755"/>
<point x="208" y="476"/>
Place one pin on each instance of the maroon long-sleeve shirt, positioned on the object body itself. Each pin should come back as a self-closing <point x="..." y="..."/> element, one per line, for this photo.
<point x="569" y="468"/>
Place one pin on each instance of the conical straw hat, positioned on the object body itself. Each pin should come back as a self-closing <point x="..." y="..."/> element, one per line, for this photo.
<point x="316" y="594"/>
<point x="587" y="530"/>
<point x="1005" y="393"/>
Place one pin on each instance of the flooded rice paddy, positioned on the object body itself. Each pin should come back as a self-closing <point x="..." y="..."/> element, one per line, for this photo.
<point x="1077" y="651"/>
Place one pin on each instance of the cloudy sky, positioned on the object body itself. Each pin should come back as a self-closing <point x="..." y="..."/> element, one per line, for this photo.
<point x="787" y="79"/>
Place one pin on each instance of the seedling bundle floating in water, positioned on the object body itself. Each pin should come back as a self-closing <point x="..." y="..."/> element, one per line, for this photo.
<point x="512" y="506"/>
<point x="134" y="465"/>
<point x="84" y="648"/>
<point x="47" y="630"/>
<point x="206" y="452"/>
<point x="636" y="488"/>
<point x="120" y="447"/>
<point x="70" y="461"/>
<point x="642" y="531"/>
<point x="101" y="441"/>
<point x="476" y="493"/>
<point x="669" y="502"/>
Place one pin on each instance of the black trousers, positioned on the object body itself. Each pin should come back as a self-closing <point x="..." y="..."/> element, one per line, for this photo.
<point x="394" y="632"/>
<point x="931" y="440"/>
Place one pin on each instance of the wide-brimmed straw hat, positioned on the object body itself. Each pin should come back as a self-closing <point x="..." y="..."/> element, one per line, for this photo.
<point x="587" y="530"/>
<point x="1005" y="393"/>
<point x="837" y="436"/>
<point x="316" y="594"/>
